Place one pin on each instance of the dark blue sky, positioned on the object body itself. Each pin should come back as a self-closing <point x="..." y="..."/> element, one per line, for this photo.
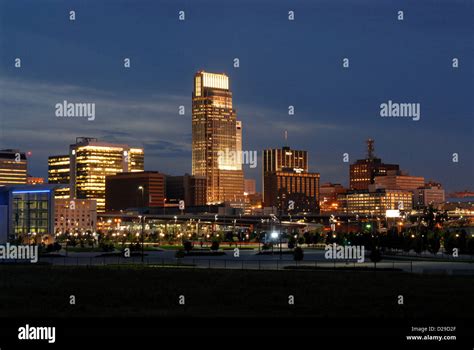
<point x="281" y="63"/>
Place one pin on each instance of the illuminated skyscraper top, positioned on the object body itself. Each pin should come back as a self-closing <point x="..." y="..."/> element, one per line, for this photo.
<point x="216" y="131"/>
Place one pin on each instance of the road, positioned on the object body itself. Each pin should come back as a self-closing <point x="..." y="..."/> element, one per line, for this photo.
<point x="249" y="259"/>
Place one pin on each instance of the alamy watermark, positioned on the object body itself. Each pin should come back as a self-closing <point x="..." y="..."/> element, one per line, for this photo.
<point x="230" y="158"/>
<point x="72" y="110"/>
<point x="348" y="252"/>
<point x="401" y="110"/>
<point x="37" y="333"/>
<point x="19" y="252"/>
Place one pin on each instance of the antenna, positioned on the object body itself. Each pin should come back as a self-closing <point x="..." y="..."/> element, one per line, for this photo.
<point x="370" y="149"/>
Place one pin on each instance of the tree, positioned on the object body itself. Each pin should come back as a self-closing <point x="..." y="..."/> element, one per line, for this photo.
<point x="298" y="254"/>
<point x="418" y="245"/>
<point x="375" y="255"/>
<point x="433" y="243"/>
<point x="291" y="242"/>
<point x="188" y="246"/>
<point x="449" y="243"/>
<point x="215" y="246"/>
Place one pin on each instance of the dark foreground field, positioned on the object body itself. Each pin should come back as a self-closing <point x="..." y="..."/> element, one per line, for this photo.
<point x="44" y="291"/>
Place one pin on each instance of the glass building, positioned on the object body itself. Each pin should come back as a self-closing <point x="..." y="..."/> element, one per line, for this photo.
<point x="26" y="212"/>
<point x="216" y="132"/>
<point x="58" y="173"/>
<point x="87" y="165"/>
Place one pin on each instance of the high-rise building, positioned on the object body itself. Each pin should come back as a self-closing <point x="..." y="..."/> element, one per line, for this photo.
<point x="134" y="190"/>
<point x="363" y="171"/>
<point x="191" y="189"/>
<point x="216" y="132"/>
<point x="291" y="191"/>
<point x="285" y="159"/>
<point x="286" y="181"/>
<point x="13" y="167"/>
<point x="59" y="173"/>
<point x="89" y="162"/>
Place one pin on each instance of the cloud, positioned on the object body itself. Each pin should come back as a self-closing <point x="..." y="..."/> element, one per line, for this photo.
<point x="28" y="120"/>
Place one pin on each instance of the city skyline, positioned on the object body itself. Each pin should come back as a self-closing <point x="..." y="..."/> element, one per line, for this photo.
<point x="336" y="109"/>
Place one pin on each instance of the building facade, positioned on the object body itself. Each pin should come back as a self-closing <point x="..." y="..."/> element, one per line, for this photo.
<point x="328" y="197"/>
<point x="429" y="194"/>
<point x="134" y="190"/>
<point x="59" y="173"/>
<point x="375" y="201"/>
<point x="216" y="131"/>
<point x="397" y="180"/>
<point x="26" y="213"/>
<point x="75" y="216"/>
<point x="13" y="167"/>
<point x="287" y="185"/>
<point x="291" y="192"/>
<point x="89" y="162"/>
<point x="250" y="186"/>
<point x="191" y="189"/>
<point x="285" y="159"/>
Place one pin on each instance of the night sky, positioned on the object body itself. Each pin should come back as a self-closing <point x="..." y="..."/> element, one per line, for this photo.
<point x="282" y="63"/>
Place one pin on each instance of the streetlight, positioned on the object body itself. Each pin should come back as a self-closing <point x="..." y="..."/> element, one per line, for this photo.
<point x="142" y="189"/>
<point x="274" y="236"/>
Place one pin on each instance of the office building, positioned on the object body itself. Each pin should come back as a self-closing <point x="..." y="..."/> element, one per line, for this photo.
<point x="363" y="171"/>
<point x="216" y="132"/>
<point x="191" y="189"/>
<point x="134" y="190"/>
<point x="59" y="173"/>
<point x="27" y="213"/>
<point x="89" y="162"/>
<point x="286" y="180"/>
<point x="284" y="187"/>
<point x="398" y="180"/>
<point x="250" y="186"/>
<point x="285" y="159"/>
<point x="375" y="201"/>
<point x="429" y="194"/>
<point x="328" y="197"/>
<point x="75" y="216"/>
<point x="13" y="167"/>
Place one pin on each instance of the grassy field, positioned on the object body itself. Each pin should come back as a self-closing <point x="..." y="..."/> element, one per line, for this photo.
<point x="43" y="291"/>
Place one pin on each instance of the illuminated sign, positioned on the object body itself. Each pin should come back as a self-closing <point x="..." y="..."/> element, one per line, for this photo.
<point x="391" y="213"/>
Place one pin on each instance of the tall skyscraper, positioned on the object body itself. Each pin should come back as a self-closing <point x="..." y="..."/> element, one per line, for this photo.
<point x="59" y="173"/>
<point x="90" y="161"/>
<point x="13" y="167"/>
<point x="217" y="138"/>
<point x="287" y="184"/>
<point x="363" y="172"/>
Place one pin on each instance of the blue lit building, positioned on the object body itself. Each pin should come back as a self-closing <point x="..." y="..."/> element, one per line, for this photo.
<point x="26" y="212"/>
